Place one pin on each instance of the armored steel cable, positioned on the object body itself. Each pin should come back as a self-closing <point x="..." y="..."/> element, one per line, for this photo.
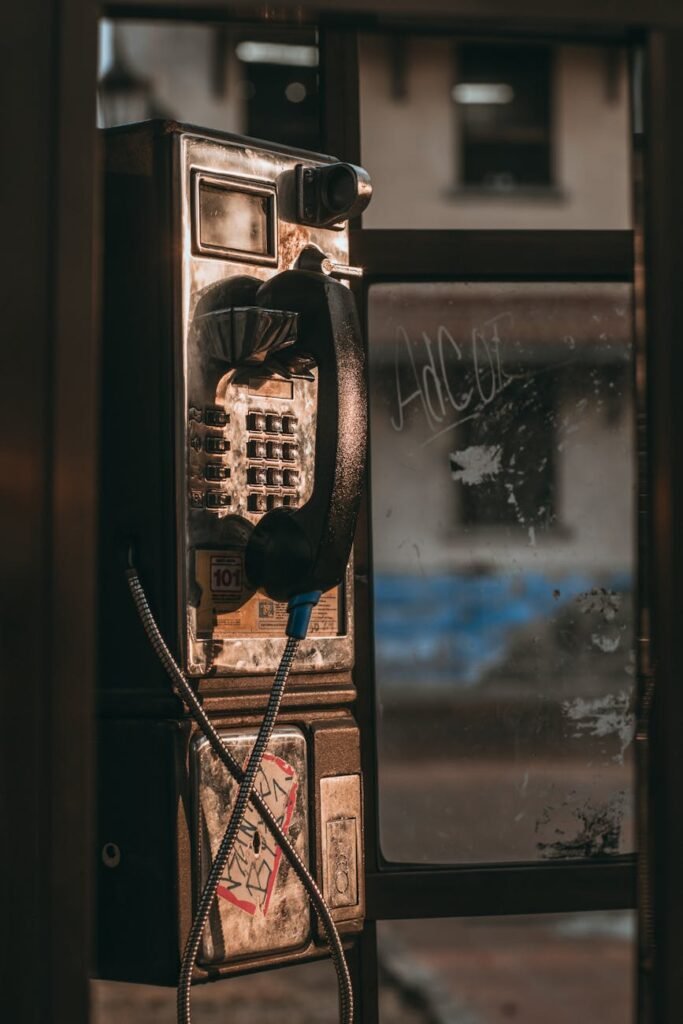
<point x="187" y="694"/>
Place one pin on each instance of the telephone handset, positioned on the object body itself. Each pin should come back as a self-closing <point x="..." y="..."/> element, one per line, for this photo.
<point x="294" y="550"/>
<point x="221" y="255"/>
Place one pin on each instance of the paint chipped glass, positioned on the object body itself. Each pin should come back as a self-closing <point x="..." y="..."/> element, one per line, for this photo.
<point x="503" y="477"/>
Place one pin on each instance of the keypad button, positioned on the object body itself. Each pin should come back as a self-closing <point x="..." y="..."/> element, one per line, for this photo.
<point x="216" y="445"/>
<point x="217" y="499"/>
<point x="290" y="478"/>
<point x="290" y="500"/>
<point x="256" y="421"/>
<point x="275" y="477"/>
<point x="256" y="503"/>
<point x="289" y="452"/>
<point x="216" y="471"/>
<point x="274" y="501"/>
<point x="256" y="475"/>
<point x="274" y="450"/>
<point x="274" y="424"/>
<point x="256" y="449"/>
<point x="215" y="417"/>
<point x="289" y="424"/>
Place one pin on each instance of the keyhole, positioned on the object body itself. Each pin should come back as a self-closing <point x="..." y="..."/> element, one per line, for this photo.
<point x="256" y="843"/>
<point x="111" y="855"/>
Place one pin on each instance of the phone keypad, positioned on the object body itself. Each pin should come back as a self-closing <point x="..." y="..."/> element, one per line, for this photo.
<point x="252" y="455"/>
<point x="277" y="485"/>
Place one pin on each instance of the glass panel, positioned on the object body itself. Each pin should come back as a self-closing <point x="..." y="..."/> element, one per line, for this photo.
<point x="470" y="135"/>
<point x="531" y="970"/>
<point x="502" y="440"/>
<point x="235" y="220"/>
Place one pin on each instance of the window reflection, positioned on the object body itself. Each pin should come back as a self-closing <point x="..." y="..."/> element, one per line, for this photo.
<point x="502" y="504"/>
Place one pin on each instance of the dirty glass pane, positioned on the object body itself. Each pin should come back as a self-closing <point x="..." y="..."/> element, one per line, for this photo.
<point x="458" y="133"/>
<point x="502" y="439"/>
<point x="531" y="970"/>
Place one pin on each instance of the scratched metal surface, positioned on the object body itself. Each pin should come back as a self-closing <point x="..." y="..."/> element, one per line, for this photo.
<point x="198" y="387"/>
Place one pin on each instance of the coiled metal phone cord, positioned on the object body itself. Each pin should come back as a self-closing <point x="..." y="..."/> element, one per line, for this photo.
<point x="187" y="694"/>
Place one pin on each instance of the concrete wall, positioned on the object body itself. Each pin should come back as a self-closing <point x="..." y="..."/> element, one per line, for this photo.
<point x="410" y="146"/>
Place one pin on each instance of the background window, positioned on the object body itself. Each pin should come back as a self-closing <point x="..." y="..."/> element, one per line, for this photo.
<point x="503" y="98"/>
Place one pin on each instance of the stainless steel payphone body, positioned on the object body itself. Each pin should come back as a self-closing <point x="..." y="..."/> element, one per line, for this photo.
<point x="211" y="420"/>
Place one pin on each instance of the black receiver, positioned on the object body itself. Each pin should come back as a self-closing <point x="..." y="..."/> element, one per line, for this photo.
<point x="296" y="320"/>
<point x="293" y="551"/>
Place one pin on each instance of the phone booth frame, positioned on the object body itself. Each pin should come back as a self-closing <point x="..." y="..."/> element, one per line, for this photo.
<point x="50" y="441"/>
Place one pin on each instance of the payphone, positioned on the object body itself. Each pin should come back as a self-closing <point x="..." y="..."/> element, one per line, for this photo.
<point x="233" y="441"/>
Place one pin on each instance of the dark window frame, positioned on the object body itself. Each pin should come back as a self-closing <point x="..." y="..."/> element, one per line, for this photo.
<point x="59" y="108"/>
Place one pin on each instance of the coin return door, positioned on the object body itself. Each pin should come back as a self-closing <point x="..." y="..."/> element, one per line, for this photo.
<point x="261" y="907"/>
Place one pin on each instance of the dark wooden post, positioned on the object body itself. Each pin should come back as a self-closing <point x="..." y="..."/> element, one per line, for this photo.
<point x="47" y="510"/>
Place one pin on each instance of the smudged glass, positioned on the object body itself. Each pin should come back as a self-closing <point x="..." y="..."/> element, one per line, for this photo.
<point x="503" y="493"/>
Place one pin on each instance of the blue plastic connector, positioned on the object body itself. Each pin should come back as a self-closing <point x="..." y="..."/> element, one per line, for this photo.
<point x="300" y="608"/>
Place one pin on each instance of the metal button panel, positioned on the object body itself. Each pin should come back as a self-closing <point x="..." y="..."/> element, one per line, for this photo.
<point x="256" y="452"/>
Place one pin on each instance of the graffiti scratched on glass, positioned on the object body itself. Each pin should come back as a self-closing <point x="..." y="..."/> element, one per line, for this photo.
<point x="444" y="397"/>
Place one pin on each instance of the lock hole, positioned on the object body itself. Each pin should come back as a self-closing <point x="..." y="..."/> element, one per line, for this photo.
<point x="111" y="855"/>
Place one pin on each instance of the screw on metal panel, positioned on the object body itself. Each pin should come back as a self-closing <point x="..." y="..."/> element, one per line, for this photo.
<point x="111" y="855"/>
